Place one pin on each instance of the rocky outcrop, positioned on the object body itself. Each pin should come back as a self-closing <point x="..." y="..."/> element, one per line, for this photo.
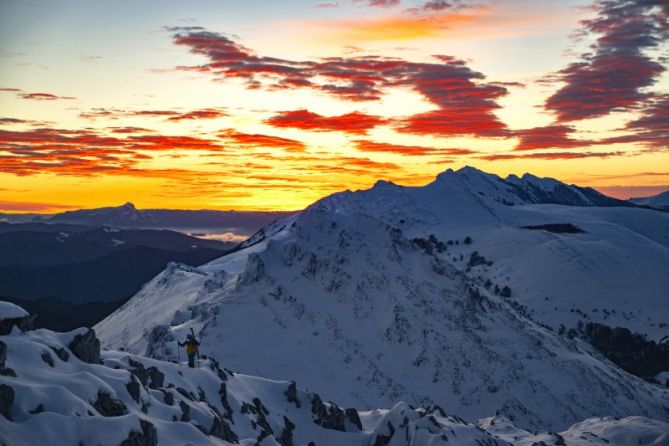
<point x="6" y="400"/>
<point x="108" y="406"/>
<point x="4" y="370"/>
<point x="151" y="377"/>
<point x="147" y="437"/>
<point x="331" y="416"/>
<point x="25" y="323"/>
<point x="86" y="347"/>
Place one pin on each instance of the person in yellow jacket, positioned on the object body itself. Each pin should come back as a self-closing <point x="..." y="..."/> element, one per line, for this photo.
<point x="191" y="349"/>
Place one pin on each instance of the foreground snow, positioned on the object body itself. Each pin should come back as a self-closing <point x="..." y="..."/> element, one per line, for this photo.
<point x="48" y="395"/>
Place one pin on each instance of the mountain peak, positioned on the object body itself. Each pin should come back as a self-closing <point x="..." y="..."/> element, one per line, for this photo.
<point x="129" y="206"/>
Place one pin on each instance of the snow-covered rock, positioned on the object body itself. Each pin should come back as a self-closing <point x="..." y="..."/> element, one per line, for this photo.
<point x="353" y="299"/>
<point x="55" y="398"/>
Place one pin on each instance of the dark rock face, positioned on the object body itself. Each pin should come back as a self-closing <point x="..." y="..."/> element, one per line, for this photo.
<point x="286" y="438"/>
<point x="221" y="429"/>
<point x="108" y="406"/>
<point x="148" y="436"/>
<point x="24" y="324"/>
<point x="46" y="357"/>
<point x="38" y="409"/>
<point x="152" y="377"/>
<point x="86" y="347"/>
<point x="291" y="394"/>
<point x="223" y="393"/>
<point x="61" y="353"/>
<point x="168" y="397"/>
<point x="133" y="388"/>
<point x="6" y="400"/>
<point x="185" y="411"/>
<point x="4" y="370"/>
<point x="331" y="416"/>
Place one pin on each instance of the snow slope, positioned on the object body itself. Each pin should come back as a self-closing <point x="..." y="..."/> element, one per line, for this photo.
<point x="660" y="201"/>
<point x="340" y="299"/>
<point x="49" y="394"/>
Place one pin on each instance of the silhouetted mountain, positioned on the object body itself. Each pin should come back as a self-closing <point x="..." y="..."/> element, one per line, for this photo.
<point x="128" y="216"/>
<point x="57" y="314"/>
<point x="113" y="276"/>
<point x="39" y="244"/>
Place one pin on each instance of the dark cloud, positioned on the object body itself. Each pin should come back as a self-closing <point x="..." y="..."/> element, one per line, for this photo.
<point x="614" y="75"/>
<point x="205" y="113"/>
<point x="550" y="155"/>
<point x="43" y="96"/>
<point x="652" y="128"/>
<point x="356" y="123"/>
<point x="380" y="3"/>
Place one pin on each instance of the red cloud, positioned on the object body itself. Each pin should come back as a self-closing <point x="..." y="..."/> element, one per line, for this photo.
<point x="356" y="123"/>
<point x="464" y="104"/>
<point x="371" y="146"/>
<point x="85" y="152"/>
<point x="262" y="141"/>
<point x="549" y="137"/>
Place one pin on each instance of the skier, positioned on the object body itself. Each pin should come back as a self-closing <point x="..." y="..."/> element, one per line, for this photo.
<point x="191" y="349"/>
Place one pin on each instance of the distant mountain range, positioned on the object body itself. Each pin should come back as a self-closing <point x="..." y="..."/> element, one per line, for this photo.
<point x="128" y="216"/>
<point x="58" y="267"/>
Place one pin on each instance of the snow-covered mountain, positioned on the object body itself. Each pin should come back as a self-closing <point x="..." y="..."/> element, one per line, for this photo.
<point x="660" y="201"/>
<point x="389" y="294"/>
<point x="59" y="388"/>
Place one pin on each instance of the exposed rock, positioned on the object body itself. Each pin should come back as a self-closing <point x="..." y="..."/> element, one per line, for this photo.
<point x="223" y="393"/>
<point x="25" y="323"/>
<point x="86" y="347"/>
<point x="61" y="353"/>
<point x="6" y="400"/>
<point x="133" y="388"/>
<point x="38" y="409"/>
<point x="185" y="411"/>
<point x="4" y="370"/>
<point x="353" y="417"/>
<point x="46" y="357"/>
<point x="148" y="436"/>
<point x="168" y="397"/>
<point x="108" y="406"/>
<point x="151" y="377"/>
<point x="331" y="416"/>
<point x="291" y="394"/>
<point x="286" y="438"/>
<point x="221" y="429"/>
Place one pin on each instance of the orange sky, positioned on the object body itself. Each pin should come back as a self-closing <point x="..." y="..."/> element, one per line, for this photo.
<point x="227" y="106"/>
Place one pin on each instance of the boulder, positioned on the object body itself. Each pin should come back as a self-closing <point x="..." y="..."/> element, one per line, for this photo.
<point x="86" y="347"/>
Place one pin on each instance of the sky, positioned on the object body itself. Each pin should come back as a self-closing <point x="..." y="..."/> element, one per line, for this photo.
<point x="261" y="105"/>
